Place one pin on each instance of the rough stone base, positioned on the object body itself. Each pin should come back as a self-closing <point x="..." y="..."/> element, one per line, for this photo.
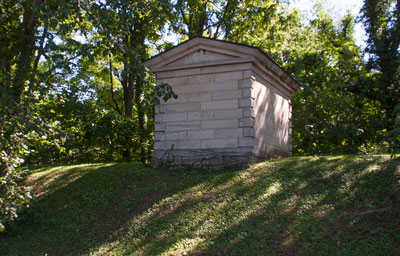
<point x="203" y="157"/>
<point x="213" y="157"/>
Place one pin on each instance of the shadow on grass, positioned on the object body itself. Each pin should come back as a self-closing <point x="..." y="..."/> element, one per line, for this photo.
<point x="325" y="206"/>
<point x="83" y="207"/>
<point x="344" y="205"/>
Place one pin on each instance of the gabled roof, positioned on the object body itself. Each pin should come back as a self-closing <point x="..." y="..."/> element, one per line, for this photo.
<point x="192" y="54"/>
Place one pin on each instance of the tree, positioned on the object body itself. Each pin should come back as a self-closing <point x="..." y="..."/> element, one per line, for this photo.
<point x="122" y="28"/>
<point x="330" y="116"/>
<point x="232" y="20"/>
<point x="381" y="20"/>
<point x="27" y="34"/>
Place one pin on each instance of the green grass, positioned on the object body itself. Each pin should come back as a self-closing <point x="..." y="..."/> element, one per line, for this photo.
<point x="344" y="205"/>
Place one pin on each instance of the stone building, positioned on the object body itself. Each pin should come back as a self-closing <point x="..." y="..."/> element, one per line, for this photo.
<point x="233" y="105"/>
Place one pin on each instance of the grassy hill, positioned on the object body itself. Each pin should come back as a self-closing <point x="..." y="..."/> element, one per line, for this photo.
<point x="344" y="205"/>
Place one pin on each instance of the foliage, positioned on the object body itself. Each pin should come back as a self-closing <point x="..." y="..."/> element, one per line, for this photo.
<point x="121" y="32"/>
<point x="381" y="20"/>
<point x="73" y="87"/>
<point x="345" y="205"/>
<point x="51" y="108"/>
<point x="28" y="31"/>
<point x="233" y="20"/>
<point x="330" y="115"/>
<point x="394" y="135"/>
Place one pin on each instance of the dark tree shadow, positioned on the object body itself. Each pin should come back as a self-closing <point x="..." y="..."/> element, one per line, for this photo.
<point x="340" y="210"/>
<point x="295" y="206"/>
<point x="92" y="209"/>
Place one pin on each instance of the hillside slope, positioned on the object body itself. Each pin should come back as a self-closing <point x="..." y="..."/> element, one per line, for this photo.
<point x="344" y="205"/>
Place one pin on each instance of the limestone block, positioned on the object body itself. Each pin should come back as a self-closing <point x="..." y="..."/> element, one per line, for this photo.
<point x="219" y="104"/>
<point x="245" y="102"/>
<point x="224" y="68"/>
<point x="200" y="115"/>
<point x="159" y="144"/>
<point x="219" y="143"/>
<point x="248" y="132"/>
<point x="158" y="118"/>
<point x="178" y="73"/>
<point x="248" y="73"/>
<point x="186" y="88"/>
<point x="228" y="133"/>
<point x="220" y="124"/>
<point x="227" y="94"/>
<point x="245" y="83"/>
<point x="246" y="92"/>
<point x="184" y="107"/>
<point x="182" y="98"/>
<point x="159" y="136"/>
<point x="183" y="126"/>
<point x="249" y="112"/>
<point x="186" y="144"/>
<point x="222" y="85"/>
<point x="174" y="117"/>
<point x="246" y="122"/>
<point x="160" y="109"/>
<point x="158" y="154"/>
<point x="175" y="136"/>
<point x="201" y="78"/>
<point x="200" y="134"/>
<point x="228" y="113"/>
<point x="159" y="127"/>
<point x="197" y="97"/>
<point x="176" y="80"/>
<point x="246" y="142"/>
<point x="235" y="75"/>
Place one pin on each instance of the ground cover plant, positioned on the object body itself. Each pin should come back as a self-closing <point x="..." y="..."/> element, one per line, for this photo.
<point x="336" y="205"/>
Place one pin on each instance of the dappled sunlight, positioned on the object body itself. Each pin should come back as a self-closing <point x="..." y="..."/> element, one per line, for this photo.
<point x="323" y="211"/>
<point x="333" y="172"/>
<point x="273" y="189"/>
<point x="54" y="178"/>
<point x="199" y="213"/>
<point x="184" y="246"/>
<point x="272" y="122"/>
<point x="293" y="206"/>
<point x="372" y="168"/>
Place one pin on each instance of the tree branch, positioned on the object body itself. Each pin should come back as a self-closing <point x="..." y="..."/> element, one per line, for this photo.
<point x="183" y="16"/>
<point x="112" y="86"/>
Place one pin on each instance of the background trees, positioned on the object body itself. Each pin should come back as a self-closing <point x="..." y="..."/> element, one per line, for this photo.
<point x="73" y="87"/>
<point x="381" y="20"/>
<point x="30" y="57"/>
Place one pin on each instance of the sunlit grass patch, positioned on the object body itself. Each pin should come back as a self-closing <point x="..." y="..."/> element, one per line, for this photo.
<point x="53" y="178"/>
<point x="339" y="205"/>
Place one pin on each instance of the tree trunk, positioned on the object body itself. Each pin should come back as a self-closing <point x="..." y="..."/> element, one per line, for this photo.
<point x="140" y="114"/>
<point x="25" y="49"/>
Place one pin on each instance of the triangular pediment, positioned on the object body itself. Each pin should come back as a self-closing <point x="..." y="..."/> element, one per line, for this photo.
<point x="201" y="52"/>
<point x="202" y="55"/>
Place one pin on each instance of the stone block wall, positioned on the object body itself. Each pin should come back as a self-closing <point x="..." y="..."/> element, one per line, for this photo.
<point x="233" y="105"/>
<point x="210" y="121"/>
<point x="272" y="114"/>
